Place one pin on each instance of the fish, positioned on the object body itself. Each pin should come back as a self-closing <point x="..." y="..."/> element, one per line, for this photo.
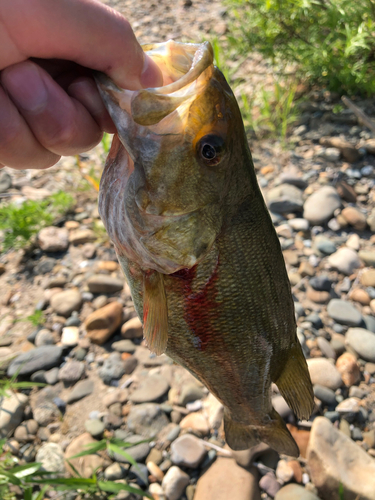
<point x="180" y="201"/>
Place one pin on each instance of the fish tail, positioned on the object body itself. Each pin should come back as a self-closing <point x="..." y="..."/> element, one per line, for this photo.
<point x="295" y="385"/>
<point x="274" y="433"/>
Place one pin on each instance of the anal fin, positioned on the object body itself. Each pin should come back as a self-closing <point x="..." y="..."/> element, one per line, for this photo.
<point x="274" y="433"/>
<point x="155" y="312"/>
<point x="295" y="385"/>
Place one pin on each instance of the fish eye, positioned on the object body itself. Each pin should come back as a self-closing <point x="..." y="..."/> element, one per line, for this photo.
<point x="211" y="149"/>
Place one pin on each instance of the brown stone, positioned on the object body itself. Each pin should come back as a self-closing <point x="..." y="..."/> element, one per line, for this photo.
<point x="297" y="470"/>
<point x="81" y="236"/>
<point x="306" y="269"/>
<point x="355" y="218"/>
<point x="197" y="423"/>
<point x="346" y="192"/>
<point x="368" y="277"/>
<point x="102" y="323"/>
<point x="347" y="150"/>
<point x="301" y="437"/>
<point x="361" y="296"/>
<point x="226" y="480"/>
<point x="107" y="265"/>
<point x="348" y="368"/>
<point x="318" y="297"/>
<point x="132" y="329"/>
<point x="85" y="465"/>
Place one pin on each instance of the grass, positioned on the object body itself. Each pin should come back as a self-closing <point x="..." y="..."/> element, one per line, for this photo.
<point x="20" y="223"/>
<point x="331" y="42"/>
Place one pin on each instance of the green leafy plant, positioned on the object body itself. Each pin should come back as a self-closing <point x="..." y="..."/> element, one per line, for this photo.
<point x="30" y="475"/>
<point x="37" y="318"/>
<point x="331" y="41"/>
<point x="21" y="222"/>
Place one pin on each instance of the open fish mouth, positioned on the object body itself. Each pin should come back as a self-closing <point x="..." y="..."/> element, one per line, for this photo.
<point x="186" y="70"/>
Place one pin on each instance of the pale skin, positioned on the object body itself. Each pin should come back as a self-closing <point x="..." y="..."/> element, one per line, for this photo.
<point x="49" y="104"/>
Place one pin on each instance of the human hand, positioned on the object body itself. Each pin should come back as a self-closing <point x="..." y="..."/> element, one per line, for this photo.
<point x="49" y="104"/>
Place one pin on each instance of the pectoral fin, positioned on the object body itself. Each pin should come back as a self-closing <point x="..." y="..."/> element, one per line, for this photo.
<point x="295" y="385"/>
<point x="155" y="312"/>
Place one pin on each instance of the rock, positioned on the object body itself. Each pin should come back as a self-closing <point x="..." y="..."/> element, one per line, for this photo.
<point x="5" y="181"/>
<point x="324" y="373"/>
<point x="102" y="283"/>
<point x="130" y="364"/>
<point x="132" y="329"/>
<point x="361" y="296"/>
<point x="353" y="242"/>
<point x="368" y="277"/>
<point x="299" y="224"/>
<point x="330" y="154"/>
<point x="345" y="260"/>
<point x="323" y="245"/>
<point x="44" y="337"/>
<point x="325" y="395"/>
<point x="12" y="406"/>
<point x="102" y="323"/>
<point x="52" y="376"/>
<point x="295" y="492"/>
<point x="348" y="151"/>
<point x="51" y="456"/>
<point x="152" y="388"/>
<point x="125" y="345"/>
<point x="114" y="472"/>
<point x="350" y="405"/>
<point x="112" y="369"/>
<point x="187" y="451"/>
<point x="53" y="239"/>
<point x="146" y="419"/>
<point x="95" y="427"/>
<point x="71" y="372"/>
<point x="82" y="236"/>
<point x="174" y="483"/>
<point x="348" y="369"/>
<point x="321" y="283"/>
<point x="138" y="452"/>
<point x="41" y="358"/>
<point x="197" y="423"/>
<point x="318" y="297"/>
<point x="155" y="471"/>
<point x="280" y="405"/>
<point x="64" y="303"/>
<point x="26" y="431"/>
<point x="334" y="459"/>
<point x="81" y="390"/>
<point x="355" y="218"/>
<point x="285" y="198"/>
<point x="344" y="312"/>
<point x="269" y="484"/>
<point x="46" y="413"/>
<point x="116" y="396"/>
<point x="70" y="336"/>
<point x="326" y="348"/>
<point x="368" y="257"/>
<point x="363" y="343"/>
<point x="284" y="472"/>
<point x="86" y="465"/>
<point x="320" y="206"/>
<point x="226" y="480"/>
<point x="189" y="393"/>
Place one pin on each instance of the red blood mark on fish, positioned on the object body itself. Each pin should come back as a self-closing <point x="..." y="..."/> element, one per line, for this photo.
<point x="198" y="305"/>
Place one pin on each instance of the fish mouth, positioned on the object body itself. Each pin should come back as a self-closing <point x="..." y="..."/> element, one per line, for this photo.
<point x="186" y="68"/>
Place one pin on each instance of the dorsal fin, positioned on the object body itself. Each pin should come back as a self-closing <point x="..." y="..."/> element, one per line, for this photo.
<point x="155" y="312"/>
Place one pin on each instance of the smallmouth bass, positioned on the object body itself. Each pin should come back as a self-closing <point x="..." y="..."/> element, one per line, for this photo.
<point x="180" y="201"/>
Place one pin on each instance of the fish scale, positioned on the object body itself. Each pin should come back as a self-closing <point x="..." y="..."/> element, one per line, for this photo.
<point x="180" y="200"/>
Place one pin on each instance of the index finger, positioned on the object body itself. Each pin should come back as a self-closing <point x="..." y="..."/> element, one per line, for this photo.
<point x="84" y="31"/>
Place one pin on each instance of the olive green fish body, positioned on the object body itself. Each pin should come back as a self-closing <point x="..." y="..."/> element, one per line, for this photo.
<point x="198" y="247"/>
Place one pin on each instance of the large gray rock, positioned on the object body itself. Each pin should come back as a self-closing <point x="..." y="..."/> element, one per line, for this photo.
<point x="344" y="312"/>
<point x="323" y="372"/>
<point x="149" y="390"/>
<point x="363" y="343"/>
<point x="53" y="239"/>
<point x="345" y="260"/>
<point x="295" y="492"/>
<point x="102" y="283"/>
<point x="51" y="455"/>
<point x="187" y="451"/>
<point x="334" y="459"/>
<point x="81" y="390"/>
<point x="146" y="419"/>
<point x="64" y="303"/>
<point x="284" y="199"/>
<point x="174" y="483"/>
<point x="11" y="412"/>
<point x="320" y="206"/>
<point x="41" y="358"/>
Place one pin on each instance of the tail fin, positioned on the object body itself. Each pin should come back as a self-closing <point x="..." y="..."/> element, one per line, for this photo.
<point x="295" y="385"/>
<point x="275" y="434"/>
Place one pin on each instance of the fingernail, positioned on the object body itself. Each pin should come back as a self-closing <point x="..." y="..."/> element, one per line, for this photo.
<point x="25" y="85"/>
<point x="151" y="75"/>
